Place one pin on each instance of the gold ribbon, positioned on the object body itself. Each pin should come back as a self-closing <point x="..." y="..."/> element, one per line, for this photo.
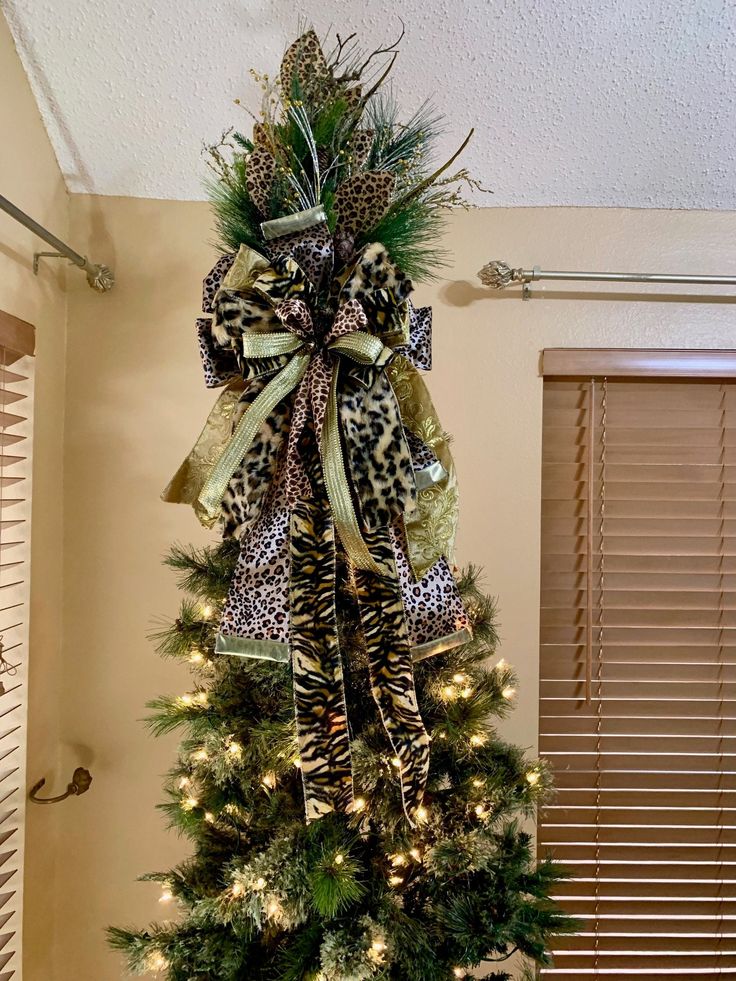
<point x="359" y="346"/>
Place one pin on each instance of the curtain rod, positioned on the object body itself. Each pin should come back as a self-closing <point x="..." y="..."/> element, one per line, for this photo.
<point x="498" y="275"/>
<point x="99" y="277"/>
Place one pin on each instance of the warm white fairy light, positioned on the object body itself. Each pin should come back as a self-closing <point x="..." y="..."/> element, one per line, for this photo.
<point x="274" y="908"/>
<point x="298" y="763"/>
<point x="395" y="880"/>
<point x="237" y="889"/>
<point x="480" y="810"/>
<point x="268" y="780"/>
<point x="422" y="813"/>
<point x="260" y="884"/>
<point x="532" y="777"/>
<point x="396" y="762"/>
<point x="209" y="817"/>
<point x="189" y="803"/>
<point x="186" y="699"/>
<point x="339" y="859"/>
<point x="234" y="749"/>
<point x="377" y="950"/>
<point x="196" y="657"/>
<point x="415" y="854"/>
<point x="202" y="698"/>
<point x="459" y="972"/>
<point x="166" y="894"/>
<point x="200" y="755"/>
<point x="449" y="692"/>
<point x="398" y="859"/>
<point x="502" y="665"/>
<point x="477" y="782"/>
<point x="508" y="692"/>
<point x="156" y="961"/>
<point x="359" y="804"/>
<point x="458" y="678"/>
<point x="184" y="782"/>
<point x="206" y="612"/>
<point x="478" y="739"/>
<point x="466" y="693"/>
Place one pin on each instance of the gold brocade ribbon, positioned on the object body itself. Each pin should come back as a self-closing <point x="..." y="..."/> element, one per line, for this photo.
<point x="358" y="346"/>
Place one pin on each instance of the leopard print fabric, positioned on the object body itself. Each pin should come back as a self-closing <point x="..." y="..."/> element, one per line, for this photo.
<point x="377" y="452"/>
<point x="259" y="177"/>
<point x="311" y="249"/>
<point x="213" y="281"/>
<point x="432" y="604"/>
<point x="389" y="657"/>
<point x="219" y="365"/>
<point x="373" y="270"/>
<point x="360" y="203"/>
<point x="257" y="473"/>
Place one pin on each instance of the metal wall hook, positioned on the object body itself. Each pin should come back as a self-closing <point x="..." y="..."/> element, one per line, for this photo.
<point x="81" y="780"/>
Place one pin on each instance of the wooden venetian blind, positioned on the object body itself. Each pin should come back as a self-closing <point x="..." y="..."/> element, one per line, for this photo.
<point x="16" y="395"/>
<point x="638" y="666"/>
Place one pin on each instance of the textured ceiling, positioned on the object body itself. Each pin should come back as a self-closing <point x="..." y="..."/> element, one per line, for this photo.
<point x="618" y="102"/>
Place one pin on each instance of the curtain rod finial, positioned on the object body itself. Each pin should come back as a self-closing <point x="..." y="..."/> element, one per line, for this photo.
<point x="498" y="275"/>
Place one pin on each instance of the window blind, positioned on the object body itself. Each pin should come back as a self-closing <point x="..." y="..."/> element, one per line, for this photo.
<point x="16" y="401"/>
<point x="638" y="673"/>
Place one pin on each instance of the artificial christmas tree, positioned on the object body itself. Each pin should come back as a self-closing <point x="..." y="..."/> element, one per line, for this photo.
<point x="353" y="812"/>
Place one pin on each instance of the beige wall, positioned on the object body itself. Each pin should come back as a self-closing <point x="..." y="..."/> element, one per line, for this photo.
<point x="30" y="177"/>
<point x="136" y="401"/>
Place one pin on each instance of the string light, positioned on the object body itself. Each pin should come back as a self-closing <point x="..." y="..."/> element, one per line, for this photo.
<point x="189" y="803"/>
<point x="478" y="739"/>
<point x="449" y="692"/>
<point x="206" y="612"/>
<point x="377" y="950"/>
<point x="398" y="859"/>
<point x="477" y="782"/>
<point x="260" y="884"/>
<point x="466" y="692"/>
<point x="458" y="678"/>
<point x="184" y="782"/>
<point x="509" y="692"/>
<point x="209" y="817"/>
<point x="237" y="889"/>
<point x="200" y="755"/>
<point x="186" y="699"/>
<point x="359" y="804"/>
<point x="480" y="810"/>
<point x="298" y="763"/>
<point x="202" y="698"/>
<point x="422" y="813"/>
<point x="196" y="657"/>
<point x="502" y="665"/>
<point x="395" y="880"/>
<point x="234" y="749"/>
<point x="268" y="780"/>
<point x="339" y="859"/>
<point x="396" y="762"/>
<point x="533" y="777"/>
<point x="166" y="895"/>
<point x="415" y="854"/>
<point x="156" y="961"/>
<point x="459" y="972"/>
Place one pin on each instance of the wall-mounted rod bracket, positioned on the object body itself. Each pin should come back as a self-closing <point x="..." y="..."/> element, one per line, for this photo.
<point x="99" y="276"/>
<point x="499" y="274"/>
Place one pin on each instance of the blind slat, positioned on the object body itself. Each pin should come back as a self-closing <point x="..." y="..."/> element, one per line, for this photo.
<point x="639" y="554"/>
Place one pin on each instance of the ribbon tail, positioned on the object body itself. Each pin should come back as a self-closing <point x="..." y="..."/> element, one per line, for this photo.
<point x="338" y="488"/>
<point x="319" y="695"/>
<point x="392" y="677"/>
<point x="211" y="495"/>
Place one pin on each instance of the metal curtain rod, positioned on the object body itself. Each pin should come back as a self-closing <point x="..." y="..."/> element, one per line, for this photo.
<point x="99" y="277"/>
<point x="498" y="275"/>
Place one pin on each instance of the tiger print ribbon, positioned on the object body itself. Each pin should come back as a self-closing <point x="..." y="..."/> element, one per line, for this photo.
<point x="312" y="367"/>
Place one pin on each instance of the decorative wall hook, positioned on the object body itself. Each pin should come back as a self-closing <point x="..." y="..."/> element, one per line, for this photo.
<point x="81" y="780"/>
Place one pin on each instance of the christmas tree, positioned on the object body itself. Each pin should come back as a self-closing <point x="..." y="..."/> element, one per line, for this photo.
<point x="353" y="812"/>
